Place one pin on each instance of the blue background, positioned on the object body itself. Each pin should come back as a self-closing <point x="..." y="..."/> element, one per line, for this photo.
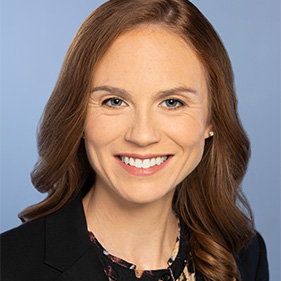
<point x="35" y="36"/>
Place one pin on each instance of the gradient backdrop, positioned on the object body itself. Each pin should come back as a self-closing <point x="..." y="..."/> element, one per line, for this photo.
<point x="35" y="36"/>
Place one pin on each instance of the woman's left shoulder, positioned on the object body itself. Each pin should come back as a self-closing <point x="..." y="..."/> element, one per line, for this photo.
<point x="252" y="260"/>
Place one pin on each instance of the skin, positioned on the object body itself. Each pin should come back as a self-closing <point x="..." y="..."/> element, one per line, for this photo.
<point x="131" y="215"/>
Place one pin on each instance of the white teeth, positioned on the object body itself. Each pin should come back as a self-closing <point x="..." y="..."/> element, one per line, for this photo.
<point x="146" y="163"/>
<point x="131" y="162"/>
<point x="138" y="163"/>
<point x="158" y="160"/>
<point x="126" y="160"/>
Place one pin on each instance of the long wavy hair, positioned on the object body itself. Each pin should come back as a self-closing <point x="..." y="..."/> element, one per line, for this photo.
<point x="209" y="200"/>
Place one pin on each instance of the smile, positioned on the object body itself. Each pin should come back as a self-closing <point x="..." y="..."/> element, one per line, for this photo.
<point x="143" y="163"/>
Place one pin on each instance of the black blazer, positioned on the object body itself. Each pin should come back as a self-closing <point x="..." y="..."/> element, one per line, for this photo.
<point x="57" y="247"/>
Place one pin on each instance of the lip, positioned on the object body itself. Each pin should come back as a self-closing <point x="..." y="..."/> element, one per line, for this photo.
<point x="142" y="156"/>
<point x="141" y="171"/>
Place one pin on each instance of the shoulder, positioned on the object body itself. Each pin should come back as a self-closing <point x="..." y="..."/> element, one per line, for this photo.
<point x="22" y="236"/>
<point x="252" y="260"/>
<point x="22" y="251"/>
<point x="51" y="246"/>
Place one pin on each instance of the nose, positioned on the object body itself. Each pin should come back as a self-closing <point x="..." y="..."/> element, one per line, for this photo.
<point x="143" y="130"/>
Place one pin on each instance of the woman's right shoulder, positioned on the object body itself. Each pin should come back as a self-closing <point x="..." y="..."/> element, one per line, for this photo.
<point x="25" y="237"/>
<point x="22" y="236"/>
<point x="22" y="251"/>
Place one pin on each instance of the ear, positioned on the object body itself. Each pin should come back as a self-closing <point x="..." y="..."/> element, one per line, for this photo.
<point x="209" y="131"/>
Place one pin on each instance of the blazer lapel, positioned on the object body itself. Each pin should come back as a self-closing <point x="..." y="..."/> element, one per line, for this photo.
<point x="68" y="246"/>
<point x="86" y="268"/>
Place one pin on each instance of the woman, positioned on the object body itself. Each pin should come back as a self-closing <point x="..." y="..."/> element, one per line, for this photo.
<point x="142" y="153"/>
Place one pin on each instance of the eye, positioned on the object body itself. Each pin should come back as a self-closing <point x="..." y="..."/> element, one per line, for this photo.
<point x="114" y="102"/>
<point x="172" y="103"/>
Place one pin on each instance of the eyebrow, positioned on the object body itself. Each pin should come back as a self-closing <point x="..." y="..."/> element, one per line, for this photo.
<point x="173" y="91"/>
<point x="112" y="90"/>
<point x="123" y="92"/>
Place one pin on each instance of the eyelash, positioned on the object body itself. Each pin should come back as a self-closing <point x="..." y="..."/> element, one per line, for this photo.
<point x="178" y="102"/>
<point x="107" y="101"/>
<point x="118" y="103"/>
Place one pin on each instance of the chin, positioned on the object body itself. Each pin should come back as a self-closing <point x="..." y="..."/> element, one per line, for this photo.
<point x="146" y="195"/>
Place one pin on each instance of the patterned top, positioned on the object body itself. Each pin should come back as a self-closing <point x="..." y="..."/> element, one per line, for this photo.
<point x="179" y="266"/>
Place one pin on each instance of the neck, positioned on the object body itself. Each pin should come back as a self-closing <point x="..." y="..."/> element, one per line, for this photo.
<point x="142" y="234"/>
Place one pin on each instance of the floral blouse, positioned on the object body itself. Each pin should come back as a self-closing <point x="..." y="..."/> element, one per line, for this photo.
<point x="179" y="266"/>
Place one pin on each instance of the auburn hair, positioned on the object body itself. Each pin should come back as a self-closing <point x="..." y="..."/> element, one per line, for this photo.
<point x="209" y="200"/>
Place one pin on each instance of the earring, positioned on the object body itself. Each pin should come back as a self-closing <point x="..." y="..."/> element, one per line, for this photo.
<point x="211" y="134"/>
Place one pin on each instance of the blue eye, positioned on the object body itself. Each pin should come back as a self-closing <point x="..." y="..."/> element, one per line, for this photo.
<point x="114" y="102"/>
<point x="172" y="103"/>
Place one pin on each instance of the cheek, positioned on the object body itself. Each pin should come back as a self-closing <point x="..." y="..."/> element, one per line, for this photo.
<point x="187" y="132"/>
<point x="100" y="130"/>
<point x="192" y="141"/>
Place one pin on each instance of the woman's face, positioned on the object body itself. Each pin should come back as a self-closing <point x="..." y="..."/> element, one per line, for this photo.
<point x="146" y="121"/>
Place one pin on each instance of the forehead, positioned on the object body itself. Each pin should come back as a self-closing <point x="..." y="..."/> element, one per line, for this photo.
<point x="150" y="55"/>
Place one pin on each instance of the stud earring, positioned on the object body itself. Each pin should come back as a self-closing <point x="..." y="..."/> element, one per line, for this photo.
<point x="211" y="134"/>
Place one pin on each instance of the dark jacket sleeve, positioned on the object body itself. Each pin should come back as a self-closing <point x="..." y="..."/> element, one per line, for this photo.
<point x="252" y="261"/>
